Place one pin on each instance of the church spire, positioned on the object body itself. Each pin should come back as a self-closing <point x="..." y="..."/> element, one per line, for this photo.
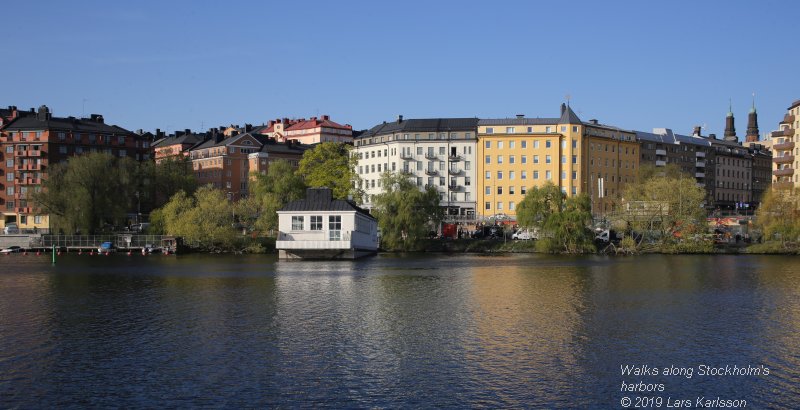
<point x="730" y="130"/>
<point x="752" y="123"/>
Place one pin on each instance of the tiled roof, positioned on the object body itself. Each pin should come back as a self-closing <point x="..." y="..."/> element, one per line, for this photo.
<point x="183" y="139"/>
<point x="314" y="123"/>
<point x="423" y="125"/>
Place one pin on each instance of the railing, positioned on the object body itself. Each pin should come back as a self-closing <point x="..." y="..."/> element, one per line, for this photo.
<point x="783" y="172"/>
<point x="93" y="241"/>
<point x="406" y="155"/>
<point x="455" y="187"/>
<point x="783" y="146"/>
<point x="700" y="164"/>
<point x="700" y="154"/>
<point x="783" y="159"/>
<point x="786" y="132"/>
<point x="660" y="163"/>
<point x="430" y="155"/>
<point x="454" y="158"/>
<point x="455" y="171"/>
<point x="661" y="152"/>
<point x="699" y="175"/>
<point x="431" y="172"/>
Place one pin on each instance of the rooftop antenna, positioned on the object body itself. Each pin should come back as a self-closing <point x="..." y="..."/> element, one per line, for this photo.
<point x="567" y="96"/>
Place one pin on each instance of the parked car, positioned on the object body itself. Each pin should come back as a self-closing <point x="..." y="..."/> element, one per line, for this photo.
<point x="524" y="235"/>
<point x="106" y="247"/>
<point x="11" y="249"/>
<point x="11" y="228"/>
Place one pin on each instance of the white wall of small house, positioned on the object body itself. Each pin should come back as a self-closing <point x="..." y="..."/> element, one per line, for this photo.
<point x="359" y="230"/>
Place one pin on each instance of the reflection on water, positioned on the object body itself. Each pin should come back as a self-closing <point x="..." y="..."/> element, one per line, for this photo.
<point x="390" y="331"/>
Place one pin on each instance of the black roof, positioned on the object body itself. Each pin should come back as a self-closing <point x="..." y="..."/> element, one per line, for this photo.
<point x="38" y="122"/>
<point x="518" y="121"/>
<point x="183" y="139"/>
<point x="321" y="199"/>
<point x="423" y="125"/>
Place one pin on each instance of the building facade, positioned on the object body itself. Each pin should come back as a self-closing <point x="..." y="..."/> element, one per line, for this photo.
<point x="33" y="142"/>
<point x="786" y="150"/>
<point x="516" y="154"/>
<point x="308" y="131"/>
<point x="437" y="152"/>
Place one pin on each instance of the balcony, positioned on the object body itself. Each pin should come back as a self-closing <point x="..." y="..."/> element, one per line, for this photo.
<point x="783" y="172"/>
<point x="454" y="158"/>
<point x="700" y="164"/>
<point x="701" y="185"/>
<point x="699" y="174"/>
<point x="786" y="132"/>
<point x="20" y="195"/>
<point x="452" y="171"/>
<point x="700" y="154"/>
<point x="783" y="185"/>
<point x="661" y="152"/>
<point x="25" y="210"/>
<point x="430" y="155"/>
<point x="407" y="155"/>
<point x="455" y="188"/>
<point x="34" y="153"/>
<point x="786" y="159"/>
<point x="660" y="163"/>
<point x="431" y="172"/>
<point x="783" y="146"/>
<point x="28" y="181"/>
<point x="787" y="119"/>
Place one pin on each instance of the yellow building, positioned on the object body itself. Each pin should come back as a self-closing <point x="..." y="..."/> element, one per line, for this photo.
<point x="516" y="154"/>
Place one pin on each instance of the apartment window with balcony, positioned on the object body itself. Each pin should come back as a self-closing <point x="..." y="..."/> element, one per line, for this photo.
<point x="441" y="181"/>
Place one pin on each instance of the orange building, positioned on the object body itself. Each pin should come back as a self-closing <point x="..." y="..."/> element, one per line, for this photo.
<point x="308" y="131"/>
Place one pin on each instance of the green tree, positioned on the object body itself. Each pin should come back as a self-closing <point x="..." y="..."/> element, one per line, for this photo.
<point x="204" y="220"/>
<point x="271" y="192"/>
<point x="170" y="176"/>
<point x="778" y="217"/>
<point x="563" y="222"/>
<point x="332" y="165"/>
<point x="89" y="191"/>
<point x="666" y="203"/>
<point x="405" y="214"/>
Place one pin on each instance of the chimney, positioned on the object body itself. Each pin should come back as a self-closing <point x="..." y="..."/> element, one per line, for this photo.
<point x="593" y="121"/>
<point x="248" y="127"/>
<point x="178" y="134"/>
<point x="520" y="116"/>
<point x="44" y="113"/>
<point x="697" y="131"/>
<point x="96" y="118"/>
<point x="712" y="136"/>
<point x="563" y="108"/>
<point x="326" y="117"/>
<point x="399" y="118"/>
<point x="187" y="131"/>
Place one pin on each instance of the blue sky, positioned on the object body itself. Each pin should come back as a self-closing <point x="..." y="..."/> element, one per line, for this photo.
<point x="181" y="64"/>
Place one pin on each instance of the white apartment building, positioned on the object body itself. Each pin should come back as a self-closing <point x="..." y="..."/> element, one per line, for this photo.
<point x="437" y="152"/>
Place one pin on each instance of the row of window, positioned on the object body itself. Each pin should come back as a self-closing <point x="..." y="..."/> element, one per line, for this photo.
<point x="415" y="137"/>
<point x="512" y="159"/>
<point x="548" y="175"/>
<point x="315" y="224"/>
<point x="547" y="129"/>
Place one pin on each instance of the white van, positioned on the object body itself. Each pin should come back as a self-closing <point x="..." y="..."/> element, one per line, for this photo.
<point x="11" y="228"/>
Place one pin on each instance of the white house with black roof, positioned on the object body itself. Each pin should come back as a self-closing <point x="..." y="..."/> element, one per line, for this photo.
<point x="321" y="227"/>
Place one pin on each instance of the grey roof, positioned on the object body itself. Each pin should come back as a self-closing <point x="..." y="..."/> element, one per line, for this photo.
<point x="423" y="125"/>
<point x="183" y="139"/>
<point x="667" y="138"/>
<point x="321" y="199"/>
<point x="518" y="121"/>
<point x="569" y="117"/>
<point x="32" y="122"/>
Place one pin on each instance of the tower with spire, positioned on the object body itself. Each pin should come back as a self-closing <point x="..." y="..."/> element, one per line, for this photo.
<point x="752" y="124"/>
<point x="730" y="130"/>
